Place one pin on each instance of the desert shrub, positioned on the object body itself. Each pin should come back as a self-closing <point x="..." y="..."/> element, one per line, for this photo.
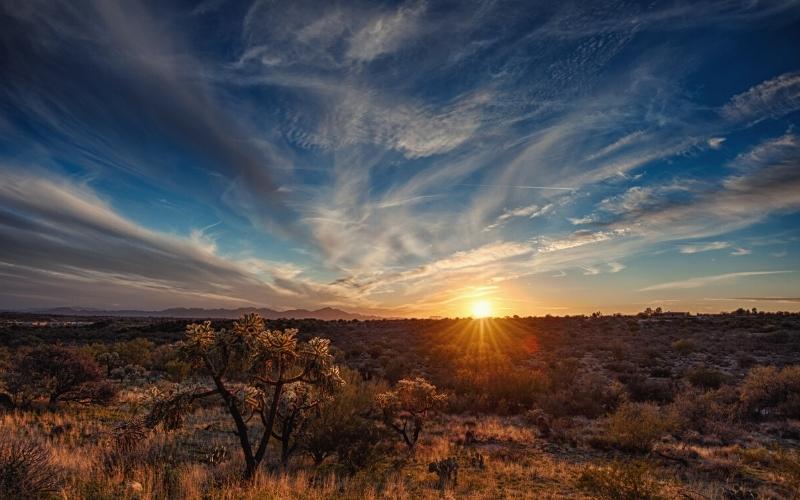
<point x="135" y="352"/>
<point x="684" y="346"/>
<point x="406" y="408"/>
<point x="641" y="389"/>
<point x="635" y="427"/>
<point x="621" y="481"/>
<point x="57" y="373"/>
<point x="769" y="390"/>
<point x="342" y="427"/>
<point x="109" y="361"/>
<point x="704" y="412"/>
<point x="26" y="470"/>
<point x="705" y="377"/>
<point x="177" y="370"/>
<point x="590" y="395"/>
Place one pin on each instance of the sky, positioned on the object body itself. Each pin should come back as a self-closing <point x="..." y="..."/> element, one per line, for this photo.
<point x="400" y="158"/>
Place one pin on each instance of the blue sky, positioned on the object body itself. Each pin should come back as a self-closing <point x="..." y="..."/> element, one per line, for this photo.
<point x="401" y="158"/>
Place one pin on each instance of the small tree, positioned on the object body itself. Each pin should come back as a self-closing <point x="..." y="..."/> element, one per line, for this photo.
<point x="406" y="408"/>
<point x="57" y="373"/>
<point x="250" y="368"/>
<point x="295" y="408"/>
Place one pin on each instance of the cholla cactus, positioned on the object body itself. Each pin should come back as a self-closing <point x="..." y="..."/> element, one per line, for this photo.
<point x="255" y="372"/>
<point x="406" y="407"/>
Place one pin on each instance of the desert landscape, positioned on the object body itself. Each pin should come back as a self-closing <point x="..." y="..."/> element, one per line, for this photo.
<point x="399" y="249"/>
<point x="654" y="405"/>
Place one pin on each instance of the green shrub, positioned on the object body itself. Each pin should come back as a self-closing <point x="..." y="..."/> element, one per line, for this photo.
<point x="620" y="481"/>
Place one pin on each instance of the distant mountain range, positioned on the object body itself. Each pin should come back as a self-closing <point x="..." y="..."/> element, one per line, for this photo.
<point x="326" y="313"/>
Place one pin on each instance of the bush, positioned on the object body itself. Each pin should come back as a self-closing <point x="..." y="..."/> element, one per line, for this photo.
<point x="705" y="377"/>
<point x="684" y="346"/>
<point x="620" y="481"/>
<point x="26" y="471"/>
<point x="590" y="395"/>
<point x="57" y="373"/>
<point x="704" y="412"/>
<point x="635" y="427"/>
<point x="406" y="408"/>
<point x="340" y="425"/>
<point x="767" y="390"/>
<point x="641" y="389"/>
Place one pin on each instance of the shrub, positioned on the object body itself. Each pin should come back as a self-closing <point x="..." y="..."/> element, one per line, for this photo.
<point x="705" y="377"/>
<point x="684" y="346"/>
<point x="635" y="427"/>
<point x="620" y="481"/>
<point x="705" y="412"/>
<point x="135" y="352"/>
<point x="641" y="388"/>
<point x="767" y="390"/>
<point x="341" y="427"/>
<point x="177" y="370"/>
<point x="26" y="471"/>
<point x="57" y="373"/>
<point x="406" y="408"/>
<point x="590" y="395"/>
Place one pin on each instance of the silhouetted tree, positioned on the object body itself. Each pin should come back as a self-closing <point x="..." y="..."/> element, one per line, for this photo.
<point x="252" y="370"/>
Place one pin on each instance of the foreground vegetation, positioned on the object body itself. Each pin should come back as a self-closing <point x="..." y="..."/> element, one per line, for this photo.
<point x="617" y="407"/>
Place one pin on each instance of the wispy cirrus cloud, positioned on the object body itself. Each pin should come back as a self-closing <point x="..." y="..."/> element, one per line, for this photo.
<point x="62" y="240"/>
<point x="402" y="149"/>
<point x="530" y="212"/>
<point x="706" y="280"/>
<point x="704" y="247"/>
<point x="775" y="97"/>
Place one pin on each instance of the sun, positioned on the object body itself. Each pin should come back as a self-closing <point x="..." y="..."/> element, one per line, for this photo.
<point x="481" y="309"/>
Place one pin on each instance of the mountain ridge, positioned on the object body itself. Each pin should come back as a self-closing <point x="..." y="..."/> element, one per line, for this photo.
<point x="325" y="313"/>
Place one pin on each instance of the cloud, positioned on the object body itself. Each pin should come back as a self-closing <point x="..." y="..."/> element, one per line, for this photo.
<point x="615" y="267"/>
<point x="769" y="299"/>
<point x="741" y="251"/>
<point x="715" y="142"/>
<point x="581" y="220"/>
<point x="704" y="247"/>
<point x="617" y="145"/>
<point x="101" y="73"/>
<point x="404" y="149"/>
<point x="769" y="99"/>
<point x="530" y="212"/>
<point x="64" y="243"/>
<point x="385" y="33"/>
<point x="706" y="280"/>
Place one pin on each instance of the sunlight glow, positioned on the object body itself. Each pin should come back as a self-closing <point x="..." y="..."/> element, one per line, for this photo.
<point x="481" y="309"/>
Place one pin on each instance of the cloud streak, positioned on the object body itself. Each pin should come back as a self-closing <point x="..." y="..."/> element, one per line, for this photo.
<point x="706" y="280"/>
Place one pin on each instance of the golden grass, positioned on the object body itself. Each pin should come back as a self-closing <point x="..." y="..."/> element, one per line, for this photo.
<point x="518" y="464"/>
